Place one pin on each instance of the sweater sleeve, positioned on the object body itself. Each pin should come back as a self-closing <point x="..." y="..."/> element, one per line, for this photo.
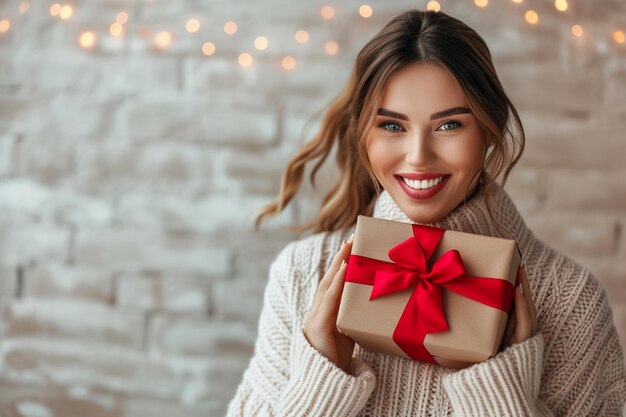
<point x="580" y="373"/>
<point x="286" y="375"/>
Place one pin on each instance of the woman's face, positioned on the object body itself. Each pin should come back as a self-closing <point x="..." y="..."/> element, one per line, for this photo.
<point x="426" y="145"/>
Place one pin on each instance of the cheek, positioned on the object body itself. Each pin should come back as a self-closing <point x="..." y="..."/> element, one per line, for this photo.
<point x="376" y="154"/>
<point x="467" y="156"/>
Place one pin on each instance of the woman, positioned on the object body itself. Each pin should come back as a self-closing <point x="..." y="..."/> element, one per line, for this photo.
<point x="423" y="135"/>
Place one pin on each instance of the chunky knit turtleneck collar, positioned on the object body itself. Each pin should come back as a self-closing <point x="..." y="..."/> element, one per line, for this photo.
<point x="470" y="217"/>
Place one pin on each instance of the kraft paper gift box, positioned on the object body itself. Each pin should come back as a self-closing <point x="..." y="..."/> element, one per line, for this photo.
<point x="427" y="294"/>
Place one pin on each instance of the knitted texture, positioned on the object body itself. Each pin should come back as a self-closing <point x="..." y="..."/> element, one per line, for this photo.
<point x="573" y="366"/>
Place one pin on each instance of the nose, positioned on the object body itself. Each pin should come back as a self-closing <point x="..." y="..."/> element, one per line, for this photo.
<point x="419" y="152"/>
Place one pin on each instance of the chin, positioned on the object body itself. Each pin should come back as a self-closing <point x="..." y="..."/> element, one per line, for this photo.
<point x="424" y="218"/>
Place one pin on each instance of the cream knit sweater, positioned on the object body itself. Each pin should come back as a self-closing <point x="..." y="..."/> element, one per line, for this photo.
<point x="573" y="366"/>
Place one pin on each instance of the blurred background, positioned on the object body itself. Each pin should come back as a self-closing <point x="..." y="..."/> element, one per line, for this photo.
<point x="138" y="139"/>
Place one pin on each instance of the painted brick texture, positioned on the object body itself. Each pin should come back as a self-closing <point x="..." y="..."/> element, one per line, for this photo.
<point x="131" y="278"/>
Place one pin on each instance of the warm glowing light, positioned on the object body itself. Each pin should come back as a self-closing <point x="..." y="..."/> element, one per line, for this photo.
<point x="331" y="48"/>
<point x="66" y="12"/>
<point x="230" y="28"/>
<point x="561" y="5"/>
<point x="481" y="3"/>
<point x="163" y="39"/>
<point x="288" y="63"/>
<point x="143" y="31"/>
<point x="261" y="42"/>
<point x="366" y="11"/>
<point x="193" y="25"/>
<point x="87" y="39"/>
<point x="434" y="6"/>
<point x="327" y="12"/>
<point x="208" y="48"/>
<point x="24" y="6"/>
<point x="245" y="59"/>
<point x="55" y="9"/>
<point x="577" y="30"/>
<point x="4" y="25"/>
<point x="121" y="18"/>
<point x="531" y="17"/>
<point x="302" y="36"/>
<point x="517" y="1"/>
<point x="116" y="29"/>
<point x="619" y="36"/>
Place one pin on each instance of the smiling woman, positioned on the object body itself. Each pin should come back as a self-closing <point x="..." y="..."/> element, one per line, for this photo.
<point x="425" y="133"/>
<point x="425" y="160"/>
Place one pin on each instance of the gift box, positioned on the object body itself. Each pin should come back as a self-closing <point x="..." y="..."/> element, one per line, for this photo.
<point x="427" y="294"/>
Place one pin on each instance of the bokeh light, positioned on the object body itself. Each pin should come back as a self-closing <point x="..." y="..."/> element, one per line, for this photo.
<point x="245" y="59"/>
<point x="434" y="6"/>
<point x="87" y="39"/>
<point x="327" y="12"/>
<point x="208" y="48"/>
<point x="230" y="28"/>
<point x="366" y="11"/>
<point x="531" y="17"/>
<point x="288" y="63"/>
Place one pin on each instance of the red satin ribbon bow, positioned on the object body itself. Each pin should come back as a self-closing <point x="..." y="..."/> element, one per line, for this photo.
<point x="424" y="313"/>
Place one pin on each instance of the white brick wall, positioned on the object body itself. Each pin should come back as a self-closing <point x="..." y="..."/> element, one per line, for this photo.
<point x="130" y="277"/>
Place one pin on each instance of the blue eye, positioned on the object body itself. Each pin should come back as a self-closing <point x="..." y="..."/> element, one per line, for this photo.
<point x="391" y="126"/>
<point x="451" y="123"/>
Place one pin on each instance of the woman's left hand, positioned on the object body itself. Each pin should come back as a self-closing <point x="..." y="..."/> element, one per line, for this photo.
<point x="522" y="324"/>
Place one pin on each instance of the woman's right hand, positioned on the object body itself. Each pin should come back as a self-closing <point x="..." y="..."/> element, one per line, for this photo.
<point x="321" y="328"/>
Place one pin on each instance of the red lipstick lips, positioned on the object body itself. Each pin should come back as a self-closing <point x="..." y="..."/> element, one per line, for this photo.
<point x="422" y="194"/>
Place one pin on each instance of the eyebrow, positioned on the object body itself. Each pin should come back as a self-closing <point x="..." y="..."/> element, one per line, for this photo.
<point x="448" y="112"/>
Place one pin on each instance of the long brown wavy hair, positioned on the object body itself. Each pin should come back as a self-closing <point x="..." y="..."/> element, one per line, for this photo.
<point x="413" y="36"/>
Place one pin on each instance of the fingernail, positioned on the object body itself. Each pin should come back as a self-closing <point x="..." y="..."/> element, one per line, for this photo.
<point x="351" y="237"/>
<point x="343" y="243"/>
<point x="521" y="289"/>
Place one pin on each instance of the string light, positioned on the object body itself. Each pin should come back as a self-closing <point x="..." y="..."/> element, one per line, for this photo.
<point x="245" y="59"/>
<point x="261" y="43"/>
<point x="163" y="39"/>
<point x="302" y="36"/>
<point x="531" y="17"/>
<point x="66" y="12"/>
<point x="192" y="25"/>
<point x="288" y="63"/>
<point x="331" y="47"/>
<point x="208" y="48"/>
<point x="5" y="25"/>
<point x="366" y="11"/>
<point x="121" y="18"/>
<point x="116" y="29"/>
<point x="87" y="39"/>
<point x="327" y="12"/>
<point x="55" y="9"/>
<point x="230" y="28"/>
<point x="561" y="5"/>
<point x="434" y="6"/>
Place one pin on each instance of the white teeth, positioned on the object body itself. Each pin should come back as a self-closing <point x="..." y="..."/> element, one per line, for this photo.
<point x="423" y="184"/>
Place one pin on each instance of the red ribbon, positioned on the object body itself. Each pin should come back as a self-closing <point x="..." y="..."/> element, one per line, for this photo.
<point x="423" y="313"/>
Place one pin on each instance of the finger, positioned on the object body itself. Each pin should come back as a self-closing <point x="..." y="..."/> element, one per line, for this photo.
<point x="529" y="299"/>
<point x="329" y="305"/>
<point x="341" y="255"/>
<point x="523" y="326"/>
<point x="510" y="327"/>
<point x="330" y="273"/>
